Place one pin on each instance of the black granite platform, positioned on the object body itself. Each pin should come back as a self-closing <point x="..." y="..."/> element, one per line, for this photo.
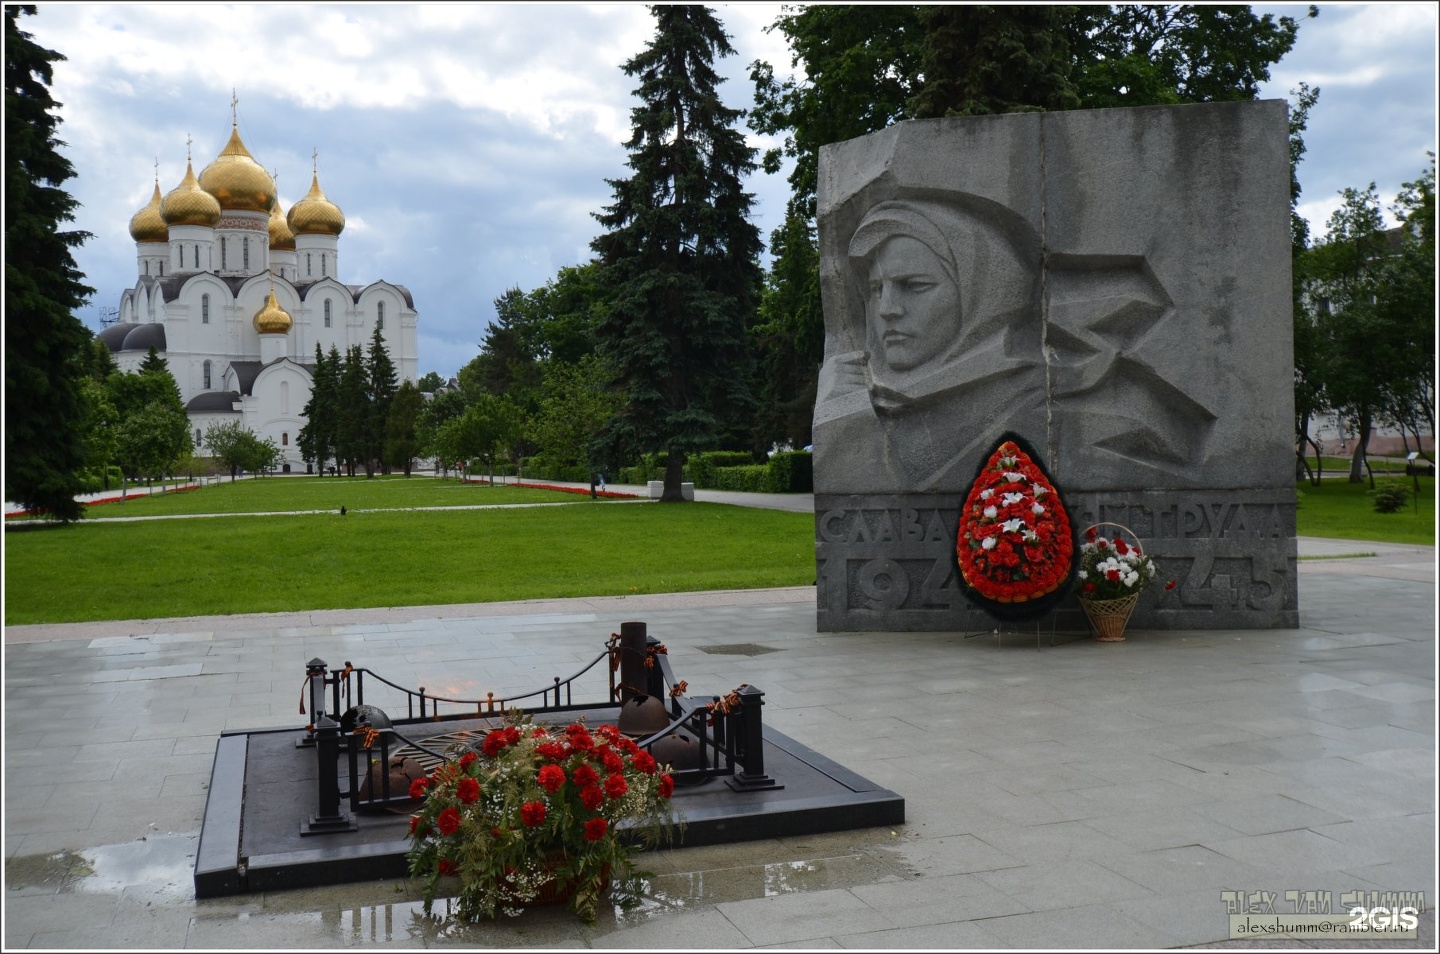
<point x="262" y="787"/>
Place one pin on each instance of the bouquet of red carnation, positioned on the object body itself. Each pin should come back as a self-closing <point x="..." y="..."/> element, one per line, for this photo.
<point x="539" y="814"/>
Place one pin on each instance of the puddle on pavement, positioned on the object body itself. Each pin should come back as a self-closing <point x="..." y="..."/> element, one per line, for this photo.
<point x="161" y="868"/>
<point x="162" y="865"/>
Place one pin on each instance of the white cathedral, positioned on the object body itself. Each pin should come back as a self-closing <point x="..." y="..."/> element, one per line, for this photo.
<point x="235" y="295"/>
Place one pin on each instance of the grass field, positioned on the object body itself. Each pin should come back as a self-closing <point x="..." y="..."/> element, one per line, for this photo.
<point x="108" y="569"/>
<point x="1340" y="509"/>
<point x="385" y="553"/>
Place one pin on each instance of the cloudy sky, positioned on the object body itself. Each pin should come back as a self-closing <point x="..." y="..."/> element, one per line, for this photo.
<point x="468" y="145"/>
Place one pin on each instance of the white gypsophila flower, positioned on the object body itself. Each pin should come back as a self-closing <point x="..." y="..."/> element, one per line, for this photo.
<point x="990" y="513"/>
<point x="1013" y="525"/>
<point x="1083" y="575"/>
<point x="1150" y="566"/>
<point x="988" y="543"/>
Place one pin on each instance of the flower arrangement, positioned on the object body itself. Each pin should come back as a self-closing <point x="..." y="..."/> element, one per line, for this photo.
<point x="1111" y="569"/>
<point x="1014" y="544"/>
<point x="536" y="814"/>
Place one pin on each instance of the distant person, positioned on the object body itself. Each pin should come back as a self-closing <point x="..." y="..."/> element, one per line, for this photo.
<point x="602" y="480"/>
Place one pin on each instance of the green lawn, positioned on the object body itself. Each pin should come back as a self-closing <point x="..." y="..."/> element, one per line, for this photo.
<point x="107" y="569"/>
<point x="382" y="554"/>
<point x="1340" y="509"/>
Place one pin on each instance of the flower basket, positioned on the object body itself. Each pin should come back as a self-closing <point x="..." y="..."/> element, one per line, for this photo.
<point x="1110" y="616"/>
<point x="1113" y="572"/>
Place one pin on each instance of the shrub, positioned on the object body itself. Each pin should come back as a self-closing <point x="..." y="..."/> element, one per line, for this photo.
<point x="752" y="478"/>
<point x="792" y="472"/>
<point x="1389" y="497"/>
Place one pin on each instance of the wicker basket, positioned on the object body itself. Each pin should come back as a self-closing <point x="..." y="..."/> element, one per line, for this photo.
<point x="1110" y="616"/>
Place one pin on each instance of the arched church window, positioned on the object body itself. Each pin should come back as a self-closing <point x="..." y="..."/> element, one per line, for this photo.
<point x="284" y="438"/>
<point x="245" y="254"/>
<point x="224" y="248"/>
<point x="182" y="256"/>
<point x="147" y="266"/>
<point x="198" y="440"/>
<point x="324" y="266"/>
<point x="380" y="315"/>
<point x="205" y="311"/>
<point x="327" y="313"/>
<point x="207" y="375"/>
<point x="162" y="269"/>
<point x="308" y="270"/>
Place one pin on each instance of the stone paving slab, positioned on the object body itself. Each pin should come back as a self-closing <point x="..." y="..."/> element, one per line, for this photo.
<point x="1081" y="795"/>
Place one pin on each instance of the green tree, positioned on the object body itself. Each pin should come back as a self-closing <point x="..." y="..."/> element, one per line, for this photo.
<point x="379" y="392"/>
<point x="317" y="436"/>
<point x="437" y="412"/>
<point x="679" y="254"/>
<point x="430" y="382"/>
<point x="149" y="441"/>
<point x="575" y="407"/>
<point x="986" y="59"/>
<point x="1165" y="54"/>
<point x="1405" y="302"/>
<point x="45" y="344"/>
<point x="101" y="421"/>
<point x="239" y="448"/>
<point x="1344" y="275"/>
<point x="352" y="417"/>
<point x="482" y="433"/>
<point x="401" y="445"/>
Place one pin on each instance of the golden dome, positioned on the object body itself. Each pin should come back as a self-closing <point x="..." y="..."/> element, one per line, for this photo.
<point x="315" y="214"/>
<point x="280" y="235"/>
<point x="272" y="319"/>
<point x="147" y="225"/>
<point x="237" y="180"/>
<point x="188" y="204"/>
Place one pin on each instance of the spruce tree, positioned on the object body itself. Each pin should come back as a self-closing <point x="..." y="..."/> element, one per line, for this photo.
<point x="380" y="390"/>
<point x="679" y="256"/>
<point x="45" y="344"/>
<point x="352" y="415"/>
<point x="317" y="437"/>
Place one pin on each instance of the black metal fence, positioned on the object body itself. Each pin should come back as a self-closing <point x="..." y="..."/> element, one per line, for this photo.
<point x="356" y="746"/>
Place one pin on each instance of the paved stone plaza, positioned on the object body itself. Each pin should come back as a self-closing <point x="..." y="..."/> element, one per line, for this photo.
<point x="1065" y="795"/>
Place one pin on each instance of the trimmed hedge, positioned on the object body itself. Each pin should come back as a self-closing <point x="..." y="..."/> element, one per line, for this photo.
<point x="791" y="472"/>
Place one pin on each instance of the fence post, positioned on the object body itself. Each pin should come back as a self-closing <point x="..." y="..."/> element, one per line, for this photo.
<point x="315" y="671"/>
<point x="329" y="817"/>
<point x="750" y="744"/>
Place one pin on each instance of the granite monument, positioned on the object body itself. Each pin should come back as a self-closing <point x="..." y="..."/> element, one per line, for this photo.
<point x="1114" y="286"/>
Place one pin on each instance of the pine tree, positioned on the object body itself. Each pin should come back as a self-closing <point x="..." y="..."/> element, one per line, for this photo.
<point x="680" y="254"/>
<point x="45" y="344"/>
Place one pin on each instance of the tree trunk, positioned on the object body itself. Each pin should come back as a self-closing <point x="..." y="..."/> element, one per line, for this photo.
<point x="1362" y="440"/>
<point x="674" y="476"/>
